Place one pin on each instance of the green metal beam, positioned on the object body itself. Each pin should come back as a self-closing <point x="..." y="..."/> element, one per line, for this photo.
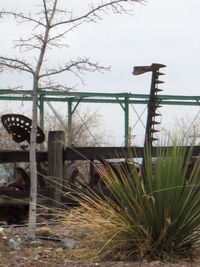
<point x="112" y="98"/>
<point x="106" y="101"/>
<point x="124" y="99"/>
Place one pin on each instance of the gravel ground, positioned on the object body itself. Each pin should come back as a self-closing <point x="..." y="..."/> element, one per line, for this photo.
<point x="50" y="253"/>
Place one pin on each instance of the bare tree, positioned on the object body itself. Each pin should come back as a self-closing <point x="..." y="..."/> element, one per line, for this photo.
<point x="185" y="130"/>
<point x="50" y="26"/>
<point x="86" y="128"/>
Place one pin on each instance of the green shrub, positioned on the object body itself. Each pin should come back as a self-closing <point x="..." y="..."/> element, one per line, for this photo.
<point x="156" y="216"/>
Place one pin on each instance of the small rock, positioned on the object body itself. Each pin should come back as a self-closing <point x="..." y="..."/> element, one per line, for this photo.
<point x="47" y="251"/>
<point x="59" y="250"/>
<point x="44" y="231"/>
<point x="39" y="248"/>
<point x="40" y="253"/>
<point x="68" y="243"/>
<point x="36" y="243"/>
<point x="36" y="257"/>
<point x="19" y="240"/>
<point x="13" y="253"/>
<point x="82" y="234"/>
<point x="12" y="244"/>
<point x="155" y="263"/>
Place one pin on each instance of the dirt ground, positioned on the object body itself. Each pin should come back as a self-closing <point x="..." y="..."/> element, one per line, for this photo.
<point x="50" y="253"/>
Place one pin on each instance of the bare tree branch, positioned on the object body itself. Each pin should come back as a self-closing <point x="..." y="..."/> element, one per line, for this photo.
<point x="57" y="87"/>
<point x="14" y="89"/>
<point x="48" y="20"/>
<point x="45" y="12"/>
<point x="94" y="13"/>
<point x="22" y="18"/>
<point x="80" y="65"/>
<point x="11" y="63"/>
<point x="55" y="40"/>
<point x="28" y="44"/>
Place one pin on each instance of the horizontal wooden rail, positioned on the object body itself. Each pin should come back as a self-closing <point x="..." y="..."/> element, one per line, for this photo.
<point x="21" y="156"/>
<point x="87" y="153"/>
<point x="22" y="197"/>
<point x="91" y="153"/>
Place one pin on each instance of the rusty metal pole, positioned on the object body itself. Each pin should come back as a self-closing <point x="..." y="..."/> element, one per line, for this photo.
<point x="152" y="105"/>
<point x="153" y="100"/>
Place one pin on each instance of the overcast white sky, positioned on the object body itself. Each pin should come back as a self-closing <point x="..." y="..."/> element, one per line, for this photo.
<point x="161" y="31"/>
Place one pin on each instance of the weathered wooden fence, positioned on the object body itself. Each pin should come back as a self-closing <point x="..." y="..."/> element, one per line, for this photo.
<point x="57" y="154"/>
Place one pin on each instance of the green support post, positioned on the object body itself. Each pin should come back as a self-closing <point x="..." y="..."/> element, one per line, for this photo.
<point x="69" y="123"/>
<point x="126" y="121"/>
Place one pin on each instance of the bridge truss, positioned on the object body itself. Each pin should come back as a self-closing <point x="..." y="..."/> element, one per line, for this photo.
<point x="73" y="99"/>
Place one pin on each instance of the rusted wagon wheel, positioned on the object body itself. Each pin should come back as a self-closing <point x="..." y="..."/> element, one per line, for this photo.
<point x="19" y="127"/>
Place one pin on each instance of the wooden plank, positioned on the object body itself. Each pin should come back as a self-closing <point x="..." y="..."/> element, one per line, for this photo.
<point x="56" y="141"/>
<point x="22" y="193"/>
<point x="20" y="156"/>
<point x="21" y="197"/>
<point x="5" y="201"/>
<point x="91" y="153"/>
<point x="83" y="153"/>
<point x="14" y="194"/>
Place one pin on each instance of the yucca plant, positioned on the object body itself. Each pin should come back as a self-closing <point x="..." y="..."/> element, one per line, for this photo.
<point x="155" y="215"/>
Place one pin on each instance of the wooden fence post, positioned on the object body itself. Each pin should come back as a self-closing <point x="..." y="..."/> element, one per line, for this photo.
<point x="56" y="141"/>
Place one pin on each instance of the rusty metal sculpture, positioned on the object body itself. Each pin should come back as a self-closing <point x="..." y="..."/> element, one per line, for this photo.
<point x="153" y="105"/>
<point x="154" y="102"/>
<point x="19" y="128"/>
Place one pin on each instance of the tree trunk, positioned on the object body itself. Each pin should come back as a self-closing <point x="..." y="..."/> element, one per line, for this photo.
<point x="33" y="165"/>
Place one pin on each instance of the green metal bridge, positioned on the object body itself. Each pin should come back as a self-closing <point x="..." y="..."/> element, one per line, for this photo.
<point x="73" y="99"/>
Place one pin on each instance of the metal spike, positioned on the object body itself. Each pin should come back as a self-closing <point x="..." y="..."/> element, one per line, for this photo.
<point x="154" y="139"/>
<point x="154" y="114"/>
<point x="157" y="82"/>
<point x="155" y="107"/>
<point x="158" y="90"/>
<point x="158" y="106"/>
<point x="154" y="131"/>
<point x="155" y="122"/>
<point x="160" y="73"/>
